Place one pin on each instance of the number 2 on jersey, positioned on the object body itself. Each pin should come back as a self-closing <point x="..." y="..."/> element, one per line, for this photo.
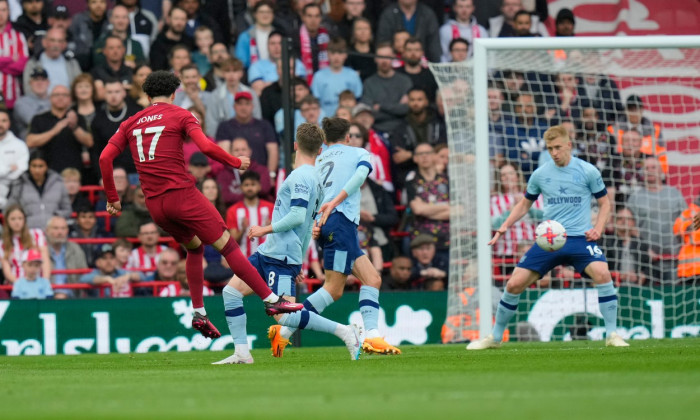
<point x="157" y="131"/>
<point x="329" y="166"/>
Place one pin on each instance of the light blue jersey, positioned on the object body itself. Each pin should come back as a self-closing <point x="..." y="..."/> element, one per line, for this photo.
<point x="300" y="189"/>
<point x="335" y="166"/>
<point x="567" y="193"/>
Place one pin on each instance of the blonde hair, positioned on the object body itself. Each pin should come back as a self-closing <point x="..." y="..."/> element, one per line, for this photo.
<point x="71" y="173"/>
<point x="556" y="132"/>
<point x="310" y="138"/>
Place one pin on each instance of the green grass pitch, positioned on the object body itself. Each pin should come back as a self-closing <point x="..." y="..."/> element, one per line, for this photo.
<point x="655" y="379"/>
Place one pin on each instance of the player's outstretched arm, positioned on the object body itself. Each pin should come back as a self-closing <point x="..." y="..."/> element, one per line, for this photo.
<point x="107" y="157"/>
<point x="294" y="218"/>
<point x="517" y="213"/>
<point x="215" y="152"/>
<point x="604" y="211"/>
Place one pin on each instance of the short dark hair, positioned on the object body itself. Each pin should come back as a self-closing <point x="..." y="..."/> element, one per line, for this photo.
<point x="250" y="175"/>
<point x="161" y="83"/>
<point x="337" y="45"/>
<point x="177" y="47"/>
<point x="522" y="12"/>
<point x="190" y="66"/>
<point x="335" y="129"/>
<point x="310" y="100"/>
<point x="108" y="37"/>
<point x="5" y="110"/>
<point x="38" y="154"/>
<point x="417" y="89"/>
<point x="310" y="5"/>
<point x="458" y="41"/>
<point x="412" y="40"/>
<point x="261" y="3"/>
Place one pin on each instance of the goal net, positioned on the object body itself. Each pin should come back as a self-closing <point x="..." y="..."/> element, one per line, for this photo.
<point x="632" y="112"/>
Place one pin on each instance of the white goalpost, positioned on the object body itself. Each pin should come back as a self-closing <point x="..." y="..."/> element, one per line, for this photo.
<point x="614" y="77"/>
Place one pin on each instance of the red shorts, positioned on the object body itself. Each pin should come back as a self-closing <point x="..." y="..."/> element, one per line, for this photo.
<point x="184" y="213"/>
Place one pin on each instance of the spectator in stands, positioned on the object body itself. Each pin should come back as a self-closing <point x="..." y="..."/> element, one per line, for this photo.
<point x="146" y="256"/>
<point x="420" y="76"/>
<point x="61" y="69"/>
<point x="522" y="25"/>
<point x="83" y="97"/>
<point x="143" y="24"/>
<point x="310" y="110"/>
<point x="565" y="22"/>
<point x="330" y="81"/>
<point x="569" y="99"/>
<point x="398" y="42"/>
<point x="34" y="101"/>
<point x="375" y="143"/>
<point x="340" y="21"/>
<point x="32" y="285"/>
<point x="399" y="276"/>
<point x="32" y="23"/>
<point x="442" y="158"/>
<point x="250" y="211"/>
<point x="462" y="26"/>
<point x="416" y="18"/>
<point x="656" y="207"/>
<point x="595" y="145"/>
<point x="344" y="113"/>
<point x="108" y="272"/>
<point x="201" y="56"/>
<point x="14" y="157"/>
<point x="196" y="17"/>
<point x="523" y="138"/>
<point x="603" y="93"/>
<point x="217" y="55"/>
<point x="170" y="37"/>
<point x="429" y="266"/>
<point x="192" y="94"/>
<point x="119" y="27"/>
<point x="115" y="110"/>
<point x="86" y="28"/>
<point x="65" y="255"/>
<point x="271" y="97"/>
<point x="211" y="190"/>
<point x="429" y="199"/>
<point x="40" y="192"/>
<point x="252" y="43"/>
<point x="15" y="54"/>
<point x="502" y="25"/>
<point x="497" y="125"/>
<point x="311" y="43"/>
<point x="689" y="256"/>
<point x="179" y="57"/>
<point x="511" y="188"/>
<point x="361" y="42"/>
<point x="17" y="237"/>
<point x="422" y="125"/>
<point x="122" y="251"/>
<point x="264" y="72"/>
<point x="133" y="216"/>
<point x="459" y="50"/>
<point x="630" y="164"/>
<point x="72" y="181"/>
<point x="386" y="92"/>
<point x="627" y="255"/>
<point x="633" y="118"/>
<point x="86" y="227"/>
<point x="377" y="217"/>
<point x="114" y="68"/>
<point x="121" y="183"/>
<point x="222" y="106"/>
<point x="259" y="133"/>
<point x="231" y="179"/>
<point x="60" y="132"/>
<point x="199" y="167"/>
<point x="166" y="266"/>
<point x="302" y="98"/>
<point x="136" y="92"/>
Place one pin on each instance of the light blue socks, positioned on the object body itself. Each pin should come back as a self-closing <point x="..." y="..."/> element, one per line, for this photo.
<point x="506" y="309"/>
<point x="607" y="303"/>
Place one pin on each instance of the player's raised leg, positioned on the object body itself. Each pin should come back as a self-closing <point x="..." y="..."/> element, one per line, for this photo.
<point x="520" y="280"/>
<point x="369" y="307"/>
<point x="607" y="301"/>
<point x="331" y="291"/>
<point x="245" y="271"/>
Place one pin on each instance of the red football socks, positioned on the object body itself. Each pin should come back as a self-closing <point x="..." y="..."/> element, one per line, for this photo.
<point x="244" y="269"/>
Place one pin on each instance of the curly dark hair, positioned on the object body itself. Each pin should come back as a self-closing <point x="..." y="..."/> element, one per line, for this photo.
<point x="161" y="83"/>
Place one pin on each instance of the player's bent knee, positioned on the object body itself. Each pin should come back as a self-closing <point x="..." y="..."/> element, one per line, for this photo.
<point x="520" y="280"/>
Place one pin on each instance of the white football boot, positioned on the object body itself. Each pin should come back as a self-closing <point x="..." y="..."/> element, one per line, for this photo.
<point x="614" y="340"/>
<point x="353" y="340"/>
<point x="236" y="359"/>
<point x="485" y="343"/>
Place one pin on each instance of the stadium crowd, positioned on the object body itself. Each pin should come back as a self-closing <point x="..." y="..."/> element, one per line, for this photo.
<point x="71" y="72"/>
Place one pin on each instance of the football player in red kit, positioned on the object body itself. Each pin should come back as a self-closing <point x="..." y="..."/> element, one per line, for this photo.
<point x="155" y="137"/>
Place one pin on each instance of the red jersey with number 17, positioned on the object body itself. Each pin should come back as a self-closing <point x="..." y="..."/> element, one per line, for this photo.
<point x="155" y="137"/>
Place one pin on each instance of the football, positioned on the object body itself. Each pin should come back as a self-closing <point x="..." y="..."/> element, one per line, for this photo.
<point x="551" y="235"/>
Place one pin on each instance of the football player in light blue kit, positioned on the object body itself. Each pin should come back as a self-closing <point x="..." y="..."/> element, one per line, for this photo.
<point x="279" y="258"/>
<point x="566" y="184"/>
<point x="342" y="170"/>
